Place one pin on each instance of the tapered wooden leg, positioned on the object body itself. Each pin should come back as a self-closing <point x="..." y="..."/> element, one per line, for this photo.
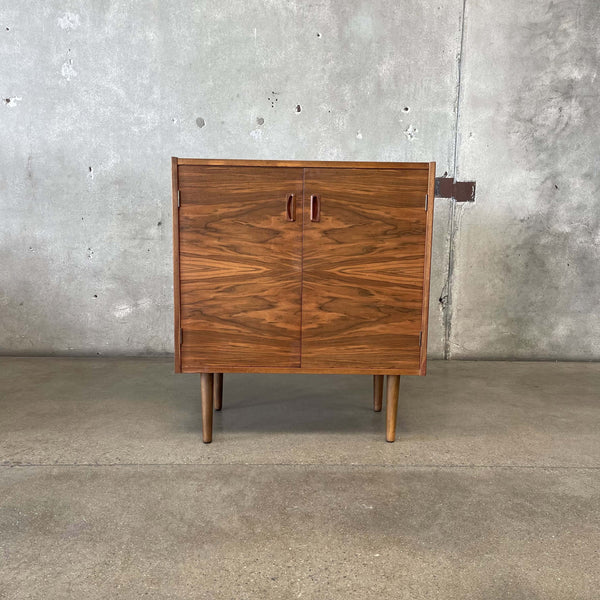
<point x="393" y="386"/>
<point x="206" y="385"/>
<point x="218" y="391"/>
<point x="377" y="392"/>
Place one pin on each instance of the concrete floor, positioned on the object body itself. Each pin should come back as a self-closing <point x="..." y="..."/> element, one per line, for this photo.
<point x="492" y="489"/>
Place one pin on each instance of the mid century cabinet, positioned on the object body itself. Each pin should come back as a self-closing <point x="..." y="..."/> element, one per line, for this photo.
<point x="301" y="267"/>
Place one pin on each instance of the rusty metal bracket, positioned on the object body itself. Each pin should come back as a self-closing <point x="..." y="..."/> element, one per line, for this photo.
<point x="461" y="191"/>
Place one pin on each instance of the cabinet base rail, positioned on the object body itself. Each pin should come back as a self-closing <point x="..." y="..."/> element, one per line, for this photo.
<point x="211" y="385"/>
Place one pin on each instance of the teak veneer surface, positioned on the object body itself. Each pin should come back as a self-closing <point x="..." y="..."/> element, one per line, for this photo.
<point x="302" y="164"/>
<point x="362" y="287"/>
<point x="240" y="267"/>
<point x="257" y="292"/>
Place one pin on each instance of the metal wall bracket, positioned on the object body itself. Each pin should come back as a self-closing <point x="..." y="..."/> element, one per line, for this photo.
<point x="461" y="191"/>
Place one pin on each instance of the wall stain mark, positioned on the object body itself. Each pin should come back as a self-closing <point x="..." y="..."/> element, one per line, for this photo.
<point x="69" y="21"/>
<point x="12" y="101"/>
<point x="411" y="133"/>
<point x="200" y="122"/>
<point x="67" y="70"/>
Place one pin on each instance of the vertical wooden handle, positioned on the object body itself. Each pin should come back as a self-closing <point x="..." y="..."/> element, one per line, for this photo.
<point x="290" y="207"/>
<point x="315" y="208"/>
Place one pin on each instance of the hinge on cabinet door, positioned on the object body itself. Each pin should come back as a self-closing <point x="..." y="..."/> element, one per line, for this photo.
<point x="178" y="199"/>
<point x="180" y="336"/>
<point x="426" y="200"/>
<point x="420" y="338"/>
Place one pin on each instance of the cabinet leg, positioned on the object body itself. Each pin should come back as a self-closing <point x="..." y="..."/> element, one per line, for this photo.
<point x="206" y="385"/>
<point x="393" y="386"/>
<point x="218" y="391"/>
<point x="377" y="392"/>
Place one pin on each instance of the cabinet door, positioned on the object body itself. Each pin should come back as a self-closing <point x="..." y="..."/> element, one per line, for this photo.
<point x="363" y="271"/>
<point x="239" y="267"/>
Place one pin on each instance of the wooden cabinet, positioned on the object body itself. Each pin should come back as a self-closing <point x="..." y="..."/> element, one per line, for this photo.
<point x="301" y="267"/>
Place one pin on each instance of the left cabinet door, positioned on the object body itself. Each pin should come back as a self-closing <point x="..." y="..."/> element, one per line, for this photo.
<point x="240" y="267"/>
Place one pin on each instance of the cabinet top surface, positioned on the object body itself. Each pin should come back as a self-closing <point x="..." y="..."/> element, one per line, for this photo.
<point x="302" y="163"/>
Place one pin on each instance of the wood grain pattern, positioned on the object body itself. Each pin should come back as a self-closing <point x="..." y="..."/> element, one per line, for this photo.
<point x="393" y="387"/>
<point x="240" y="268"/>
<point x="302" y="164"/>
<point x="378" y="385"/>
<point x="427" y="268"/>
<point x="176" y="283"/>
<point x="363" y="269"/>
<point x="206" y="388"/>
<point x="194" y="365"/>
<point x="218" y="391"/>
<point x="237" y="272"/>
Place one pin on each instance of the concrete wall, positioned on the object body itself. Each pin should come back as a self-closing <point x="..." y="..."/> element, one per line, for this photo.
<point x="525" y="279"/>
<point x="96" y="97"/>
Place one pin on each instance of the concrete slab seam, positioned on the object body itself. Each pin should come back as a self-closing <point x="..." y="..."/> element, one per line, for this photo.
<point x="447" y="292"/>
<point x="306" y="465"/>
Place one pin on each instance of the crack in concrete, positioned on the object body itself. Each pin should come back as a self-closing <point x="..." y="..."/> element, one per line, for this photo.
<point x="307" y="465"/>
<point x="452" y="226"/>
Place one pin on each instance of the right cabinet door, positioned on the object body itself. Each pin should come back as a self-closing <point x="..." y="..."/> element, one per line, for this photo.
<point x="363" y="268"/>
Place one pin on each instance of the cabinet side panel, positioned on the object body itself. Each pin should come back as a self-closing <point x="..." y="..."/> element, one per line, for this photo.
<point x="427" y="268"/>
<point x="176" y="284"/>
